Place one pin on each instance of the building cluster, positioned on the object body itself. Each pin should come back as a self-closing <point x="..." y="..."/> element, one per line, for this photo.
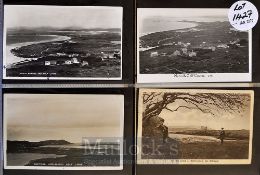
<point x="184" y="52"/>
<point x="233" y="44"/>
<point x="62" y="62"/>
<point x="110" y="55"/>
<point x="185" y="49"/>
<point x="204" y="128"/>
<point x="83" y="60"/>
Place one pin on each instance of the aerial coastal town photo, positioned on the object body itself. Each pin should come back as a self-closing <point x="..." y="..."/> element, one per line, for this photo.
<point x="173" y="41"/>
<point x="88" y="47"/>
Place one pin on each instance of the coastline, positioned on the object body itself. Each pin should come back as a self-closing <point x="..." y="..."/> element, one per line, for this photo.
<point x="193" y="23"/>
<point x="197" y="25"/>
<point x="22" y="159"/>
<point x="12" y="59"/>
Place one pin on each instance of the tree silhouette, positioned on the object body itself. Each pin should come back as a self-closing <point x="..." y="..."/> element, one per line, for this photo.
<point x="212" y="103"/>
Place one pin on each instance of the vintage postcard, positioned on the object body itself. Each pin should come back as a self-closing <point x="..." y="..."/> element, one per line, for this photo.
<point x="63" y="131"/>
<point x="188" y="126"/>
<point x="62" y="42"/>
<point x="191" y="45"/>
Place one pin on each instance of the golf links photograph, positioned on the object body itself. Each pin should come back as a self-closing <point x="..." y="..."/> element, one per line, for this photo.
<point x="191" y="126"/>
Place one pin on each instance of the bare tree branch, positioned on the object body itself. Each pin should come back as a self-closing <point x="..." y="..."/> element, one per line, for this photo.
<point x="211" y="103"/>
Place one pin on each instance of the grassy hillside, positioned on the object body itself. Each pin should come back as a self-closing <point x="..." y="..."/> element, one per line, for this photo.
<point x="233" y="59"/>
<point x="230" y="134"/>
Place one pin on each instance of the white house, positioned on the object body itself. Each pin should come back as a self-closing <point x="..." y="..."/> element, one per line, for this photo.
<point x="61" y="54"/>
<point x="154" y="54"/>
<point x="49" y="63"/>
<point x="84" y="63"/>
<point x="184" y="51"/>
<point x="212" y="48"/>
<point x="163" y="54"/>
<point x="68" y="62"/>
<point x="223" y="46"/>
<point x="107" y="55"/>
<point x="75" y="60"/>
<point x="176" y="53"/>
<point x="192" y="54"/>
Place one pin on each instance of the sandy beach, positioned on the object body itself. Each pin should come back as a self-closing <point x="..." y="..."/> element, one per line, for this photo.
<point x="11" y="58"/>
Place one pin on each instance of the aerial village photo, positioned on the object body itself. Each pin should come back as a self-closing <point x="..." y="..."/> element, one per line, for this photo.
<point x="63" y="131"/>
<point x="191" y="126"/>
<point x="191" y="45"/>
<point x="62" y="42"/>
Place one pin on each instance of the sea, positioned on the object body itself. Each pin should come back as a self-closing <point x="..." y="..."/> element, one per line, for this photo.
<point x="159" y="24"/>
<point x="21" y="159"/>
<point x="11" y="58"/>
<point x="88" y="146"/>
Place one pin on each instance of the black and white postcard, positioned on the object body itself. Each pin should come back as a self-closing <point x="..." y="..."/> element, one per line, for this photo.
<point x="63" y="131"/>
<point x="191" y="45"/>
<point x="188" y="126"/>
<point x="62" y="42"/>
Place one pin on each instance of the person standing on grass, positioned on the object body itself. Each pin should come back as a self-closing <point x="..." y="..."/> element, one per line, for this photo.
<point x="222" y="135"/>
<point x="164" y="130"/>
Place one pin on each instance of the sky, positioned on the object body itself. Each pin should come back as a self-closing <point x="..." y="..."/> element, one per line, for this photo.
<point x="62" y="16"/>
<point x="195" y="118"/>
<point x="181" y="12"/>
<point x="152" y="20"/>
<point x="37" y="117"/>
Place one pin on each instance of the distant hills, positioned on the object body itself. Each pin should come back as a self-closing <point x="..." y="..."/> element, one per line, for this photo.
<point x="41" y="143"/>
<point x="184" y="127"/>
<point x="53" y="29"/>
<point x="25" y="146"/>
<point x="54" y="142"/>
<point x="21" y="145"/>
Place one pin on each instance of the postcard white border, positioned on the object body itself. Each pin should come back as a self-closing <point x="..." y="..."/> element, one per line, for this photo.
<point x="192" y="77"/>
<point x="120" y="167"/>
<point x="194" y="161"/>
<point x="62" y="78"/>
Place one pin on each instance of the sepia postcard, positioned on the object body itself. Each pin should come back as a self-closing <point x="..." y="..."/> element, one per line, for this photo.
<point x="62" y="42"/>
<point x="63" y="131"/>
<point x="188" y="126"/>
<point x="191" y="45"/>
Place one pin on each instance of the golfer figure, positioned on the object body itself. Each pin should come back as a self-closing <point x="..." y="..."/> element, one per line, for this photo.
<point x="165" y="133"/>
<point x="222" y="135"/>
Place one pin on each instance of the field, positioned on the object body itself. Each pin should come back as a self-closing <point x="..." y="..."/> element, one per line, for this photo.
<point x="197" y="144"/>
<point x="96" y="53"/>
<point x="230" y="134"/>
<point x="229" y="150"/>
<point x="210" y="47"/>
